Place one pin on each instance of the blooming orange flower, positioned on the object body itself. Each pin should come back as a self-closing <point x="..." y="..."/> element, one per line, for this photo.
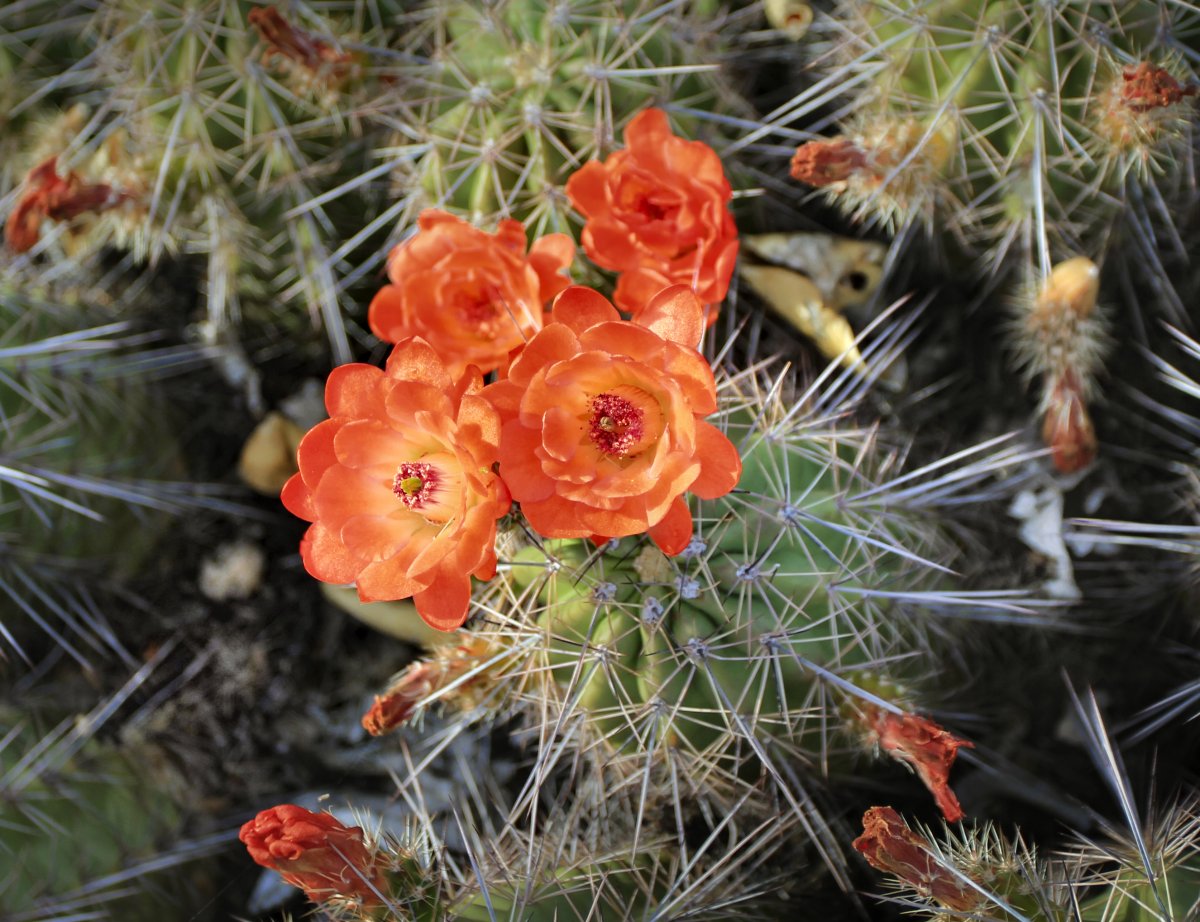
<point x="657" y="212"/>
<point x="49" y="196"/>
<point x="399" y="484"/>
<point x="315" y="852"/>
<point x="474" y="296"/>
<point x="604" y="424"/>
<point x="891" y="846"/>
<point x="925" y="747"/>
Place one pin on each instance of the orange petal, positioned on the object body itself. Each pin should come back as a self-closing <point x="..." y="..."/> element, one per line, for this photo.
<point x="415" y="360"/>
<point x="720" y="463"/>
<point x="445" y="603"/>
<point x="549" y="256"/>
<point x="297" y="498"/>
<point x="315" y="454"/>
<point x="673" y="534"/>
<point x="587" y="189"/>
<point x="520" y="467"/>
<point x="554" y="517"/>
<point x="386" y="315"/>
<point x="637" y="287"/>
<point x="551" y="344"/>
<point x="675" y="314"/>
<point x="354" y="390"/>
<point x="326" y="558"/>
<point x="386" y="581"/>
<point x="580" y="307"/>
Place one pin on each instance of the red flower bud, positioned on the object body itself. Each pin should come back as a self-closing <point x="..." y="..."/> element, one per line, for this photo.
<point x="892" y="847"/>
<point x="315" y="852"/>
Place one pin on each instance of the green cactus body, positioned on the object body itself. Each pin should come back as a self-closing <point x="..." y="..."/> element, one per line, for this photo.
<point x="749" y="649"/>
<point x="987" y="118"/>
<point x="77" y="813"/>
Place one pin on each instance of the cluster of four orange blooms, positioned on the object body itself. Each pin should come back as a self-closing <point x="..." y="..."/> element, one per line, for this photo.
<point x="595" y="424"/>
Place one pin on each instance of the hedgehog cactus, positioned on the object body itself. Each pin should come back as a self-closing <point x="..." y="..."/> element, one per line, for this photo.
<point x="782" y="641"/>
<point x="1006" y="124"/>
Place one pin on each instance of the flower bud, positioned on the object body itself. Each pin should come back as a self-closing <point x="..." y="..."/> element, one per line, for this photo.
<point x="315" y="852"/>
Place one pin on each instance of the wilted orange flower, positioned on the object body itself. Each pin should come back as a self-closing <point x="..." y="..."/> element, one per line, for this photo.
<point x="823" y="163"/>
<point x="891" y="846"/>
<point x="315" y="852"/>
<point x="1149" y="86"/>
<point x="295" y="46"/>
<point x="399" y="484"/>
<point x="474" y="296"/>
<point x="49" y="196"/>
<point x="657" y="212"/>
<point x="922" y="745"/>
<point x="456" y="667"/>
<point x="604" y="421"/>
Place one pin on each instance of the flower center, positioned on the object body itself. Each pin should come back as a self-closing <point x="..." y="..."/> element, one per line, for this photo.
<point x="431" y="487"/>
<point x="623" y="421"/>
<point x="415" y="481"/>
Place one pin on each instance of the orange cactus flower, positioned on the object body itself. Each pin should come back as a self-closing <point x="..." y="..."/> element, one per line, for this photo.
<point x="604" y="424"/>
<point x="922" y="745"/>
<point x="49" y="196"/>
<point x="399" y="484"/>
<point x="315" y="852"/>
<point x="658" y="213"/>
<point x="474" y="296"/>
<point x="889" y="845"/>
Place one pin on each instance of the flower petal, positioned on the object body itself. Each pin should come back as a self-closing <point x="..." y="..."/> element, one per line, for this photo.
<point x="720" y="463"/>
<point x="673" y="532"/>
<point x="445" y="603"/>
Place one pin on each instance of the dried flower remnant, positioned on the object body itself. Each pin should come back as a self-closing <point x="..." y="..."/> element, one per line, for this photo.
<point x="1149" y="86"/>
<point x="889" y="845"/>
<point x="398" y="484"/>
<point x="922" y="745"/>
<point x="317" y="853"/>
<point x="451" y="670"/>
<point x="604" y="427"/>
<point x="823" y="163"/>
<point x="51" y="197"/>
<point x="1068" y="428"/>
<point x="1065" y="344"/>
<point x="292" y="45"/>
